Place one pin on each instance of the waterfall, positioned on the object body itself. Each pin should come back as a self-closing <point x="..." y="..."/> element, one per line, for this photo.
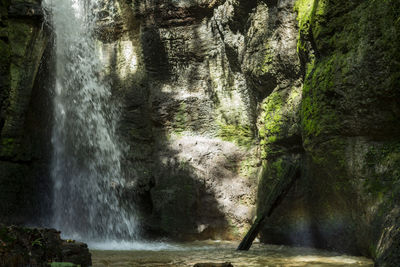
<point x="86" y="163"/>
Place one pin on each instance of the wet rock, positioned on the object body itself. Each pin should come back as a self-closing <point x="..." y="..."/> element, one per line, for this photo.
<point x="225" y="264"/>
<point x="24" y="112"/>
<point x="76" y="252"/>
<point x="26" y="9"/>
<point x="347" y="117"/>
<point x="21" y="246"/>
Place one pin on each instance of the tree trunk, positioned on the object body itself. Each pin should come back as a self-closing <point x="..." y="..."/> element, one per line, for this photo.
<point x="279" y="191"/>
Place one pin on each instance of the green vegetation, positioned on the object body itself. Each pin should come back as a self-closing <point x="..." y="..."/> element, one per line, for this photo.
<point x="383" y="166"/>
<point x="274" y="171"/>
<point x="268" y="59"/>
<point x="180" y="118"/>
<point x="304" y="9"/>
<point x="271" y="122"/>
<point x="7" y="147"/>
<point x="341" y="46"/>
<point x="319" y="114"/>
<point x="238" y="134"/>
<point x="249" y="166"/>
<point x="5" y="237"/>
<point x="21" y="35"/>
<point x="37" y="242"/>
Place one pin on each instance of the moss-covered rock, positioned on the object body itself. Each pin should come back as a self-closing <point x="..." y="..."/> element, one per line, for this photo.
<point x="342" y="45"/>
<point x="20" y="246"/>
<point x="5" y="51"/>
<point x="238" y="134"/>
<point x="23" y="40"/>
<point x="346" y="198"/>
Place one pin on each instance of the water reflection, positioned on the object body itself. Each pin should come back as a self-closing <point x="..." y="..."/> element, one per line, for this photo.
<point x="190" y="253"/>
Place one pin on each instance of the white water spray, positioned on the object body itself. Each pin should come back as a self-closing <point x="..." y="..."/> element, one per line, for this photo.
<point x="86" y="167"/>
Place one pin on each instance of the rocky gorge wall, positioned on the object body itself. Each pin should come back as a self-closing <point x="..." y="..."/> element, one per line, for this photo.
<point x="347" y="197"/>
<point x="24" y="112"/>
<point x="220" y="98"/>
<point x="193" y="76"/>
<point x="223" y="96"/>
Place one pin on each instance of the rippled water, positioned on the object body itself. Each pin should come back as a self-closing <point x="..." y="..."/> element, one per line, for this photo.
<point x="162" y="254"/>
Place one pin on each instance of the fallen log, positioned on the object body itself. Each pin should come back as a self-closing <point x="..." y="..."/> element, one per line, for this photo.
<point x="278" y="193"/>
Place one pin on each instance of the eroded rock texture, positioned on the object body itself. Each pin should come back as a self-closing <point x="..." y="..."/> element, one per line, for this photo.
<point x="21" y="246"/>
<point x="24" y="112"/>
<point x="347" y="197"/>
<point x="189" y="113"/>
<point x="194" y="76"/>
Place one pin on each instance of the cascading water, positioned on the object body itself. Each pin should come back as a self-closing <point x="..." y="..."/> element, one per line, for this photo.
<point x="86" y="168"/>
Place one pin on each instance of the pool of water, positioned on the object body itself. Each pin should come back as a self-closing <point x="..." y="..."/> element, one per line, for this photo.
<point x="167" y="254"/>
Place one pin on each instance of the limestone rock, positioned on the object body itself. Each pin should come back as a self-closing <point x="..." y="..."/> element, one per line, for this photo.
<point x="189" y="115"/>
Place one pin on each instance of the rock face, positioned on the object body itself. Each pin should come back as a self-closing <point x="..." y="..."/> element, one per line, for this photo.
<point x="39" y="247"/>
<point x="24" y="111"/>
<point x="193" y="76"/>
<point x="188" y="114"/>
<point x="347" y="197"/>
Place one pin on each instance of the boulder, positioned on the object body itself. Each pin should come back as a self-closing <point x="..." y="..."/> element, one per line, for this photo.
<point x="20" y="246"/>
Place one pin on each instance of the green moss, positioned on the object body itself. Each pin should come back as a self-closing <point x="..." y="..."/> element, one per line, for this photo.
<point x="249" y="166"/>
<point x="383" y="166"/>
<point x="234" y="230"/>
<point x="15" y="78"/>
<point x="304" y="9"/>
<point x="37" y="242"/>
<point x="343" y="45"/>
<point x="238" y="134"/>
<point x="8" y="147"/>
<point x="271" y="122"/>
<point x="5" y="236"/>
<point x="181" y="119"/>
<point x="268" y="59"/>
<point x="20" y="36"/>
<point x="348" y="90"/>
<point x="319" y="114"/>
<point x="273" y="171"/>
<point x="4" y="52"/>
<point x="331" y="154"/>
<point x="277" y="166"/>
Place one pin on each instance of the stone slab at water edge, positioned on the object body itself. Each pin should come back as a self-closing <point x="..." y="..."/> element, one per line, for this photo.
<point x="20" y="246"/>
<point x="225" y="264"/>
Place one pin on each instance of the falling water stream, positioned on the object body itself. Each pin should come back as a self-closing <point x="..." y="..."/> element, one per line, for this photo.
<point x="86" y="167"/>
